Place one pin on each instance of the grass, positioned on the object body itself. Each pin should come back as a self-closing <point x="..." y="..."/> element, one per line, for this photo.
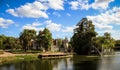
<point x="12" y="59"/>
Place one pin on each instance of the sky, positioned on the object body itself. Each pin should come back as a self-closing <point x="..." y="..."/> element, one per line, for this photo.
<point x="59" y="16"/>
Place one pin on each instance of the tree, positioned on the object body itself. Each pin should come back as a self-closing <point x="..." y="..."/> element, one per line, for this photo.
<point x="26" y="38"/>
<point x="2" y="40"/>
<point x="10" y="43"/>
<point x="7" y="42"/>
<point x="82" y="39"/>
<point x="59" y="42"/>
<point x="108" y="43"/>
<point x="47" y="38"/>
<point x="105" y="43"/>
<point x="40" y="38"/>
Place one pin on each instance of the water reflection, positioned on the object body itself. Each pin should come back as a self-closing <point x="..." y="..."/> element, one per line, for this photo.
<point x="75" y="63"/>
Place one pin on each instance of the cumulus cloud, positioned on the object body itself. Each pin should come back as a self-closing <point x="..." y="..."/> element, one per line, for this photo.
<point x="101" y="4"/>
<point x="114" y="33"/>
<point x="4" y="23"/>
<point x="84" y="4"/>
<point x="74" y="5"/>
<point x="33" y="10"/>
<point x="36" y="9"/>
<point x="56" y="4"/>
<point x="53" y="26"/>
<point x="68" y="29"/>
<point x="104" y="20"/>
<point x="34" y="25"/>
<point x="57" y="29"/>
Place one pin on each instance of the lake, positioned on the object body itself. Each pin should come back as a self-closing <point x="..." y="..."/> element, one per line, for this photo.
<point x="75" y="63"/>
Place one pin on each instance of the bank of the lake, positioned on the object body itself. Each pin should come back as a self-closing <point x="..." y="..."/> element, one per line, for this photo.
<point x="18" y="58"/>
<point x="77" y="62"/>
<point x="8" y="57"/>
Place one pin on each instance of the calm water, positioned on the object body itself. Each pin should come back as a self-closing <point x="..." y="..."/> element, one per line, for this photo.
<point x="75" y="63"/>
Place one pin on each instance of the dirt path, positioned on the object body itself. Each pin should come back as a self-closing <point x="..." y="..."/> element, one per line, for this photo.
<point x="7" y="54"/>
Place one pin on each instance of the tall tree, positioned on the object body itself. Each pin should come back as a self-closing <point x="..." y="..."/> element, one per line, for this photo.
<point x="26" y="38"/>
<point x="83" y="35"/>
<point x="47" y="39"/>
<point x="44" y="39"/>
<point x="40" y="38"/>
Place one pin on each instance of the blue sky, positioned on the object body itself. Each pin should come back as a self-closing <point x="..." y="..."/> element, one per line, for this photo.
<point x="59" y="16"/>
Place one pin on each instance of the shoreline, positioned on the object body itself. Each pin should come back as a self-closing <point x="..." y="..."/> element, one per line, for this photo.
<point x="7" y="57"/>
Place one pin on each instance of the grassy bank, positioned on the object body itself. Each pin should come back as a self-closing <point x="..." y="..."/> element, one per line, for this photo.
<point x="19" y="58"/>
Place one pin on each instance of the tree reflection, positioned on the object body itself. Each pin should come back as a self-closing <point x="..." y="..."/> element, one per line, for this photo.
<point x="84" y="63"/>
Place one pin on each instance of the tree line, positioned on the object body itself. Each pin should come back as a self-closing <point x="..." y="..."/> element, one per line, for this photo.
<point x="26" y="40"/>
<point x="85" y="40"/>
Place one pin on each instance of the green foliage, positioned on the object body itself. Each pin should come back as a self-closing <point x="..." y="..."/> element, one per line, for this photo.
<point x="26" y="37"/>
<point x="40" y="39"/>
<point x="9" y="42"/>
<point x="82" y="38"/>
<point x="2" y="41"/>
<point x="59" y="42"/>
<point x="45" y="39"/>
<point x="108" y="42"/>
<point x="104" y="42"/>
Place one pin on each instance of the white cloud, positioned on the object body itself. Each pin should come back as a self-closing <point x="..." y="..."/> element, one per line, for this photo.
<point x="103" y="26"/>
<point x="104" y="20"/>
<point x="37" y="9"/>
<point x="58" y="30"/>
<point x="68" y="14"/>
<point x="114" y="33"/>
<point x="74" y="5"/>
<point x="53" y="26"/>
<point x="101" y="4"/>
<point x="68" y="29"/>
<point x="34" y="25"/>
<point x="56" y="14"/>
<point x="32" y="10"/>
<point x="4" y="23"/>
<point x="56" y="4"/>
<point x="84" y="4"/>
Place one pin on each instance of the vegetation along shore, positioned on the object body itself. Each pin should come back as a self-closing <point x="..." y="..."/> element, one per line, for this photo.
<point x="85" y="41"/>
